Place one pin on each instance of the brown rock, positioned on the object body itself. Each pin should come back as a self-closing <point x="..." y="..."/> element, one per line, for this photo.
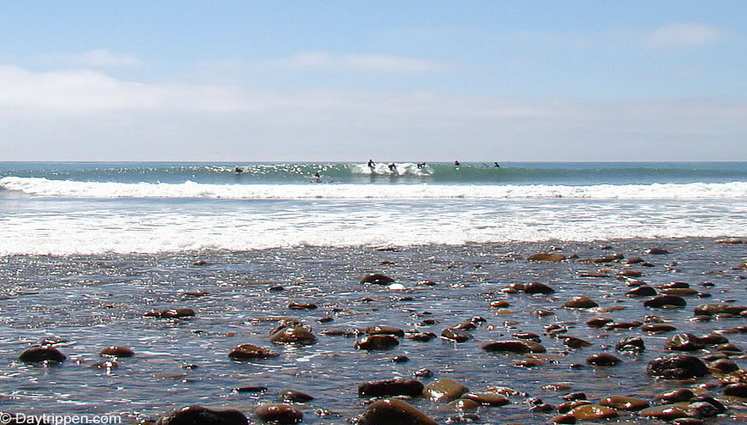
<point x="172" y="313"/>
<point x="580" y="302"/>
<point x="302" y="306"/>
<point x="684" y="342"/>
<point x="296" y="335"/>
<point x="573" y="342"/>
<point x="457" y="335"/>
<point x="444" y="390"/>
<point x="198" y="415"/>
<point x="676" y="396"/>
<point x="385" y="330"/>
<point x="642" y="291"/>
<point x="549" y="257"/>
<point x="714" y="309"/>
<point x="593" y="412"/>
<point x="603" y="359"/>
<point x="488" y="399"/>
<point x="666" y="301"/>
<point x="657" y="328"/>
<point x="393" y="412"/>
<point x="377" y="342"/>
<point x="513" y="346"/>
<point x="677" y="367"/>
<point x="665" y="412"/>
<point x="736" y="390"/>
<point x="391" y="388"/>
<point x="598" y="322"/>
<point x="624" y="403"/>
<point x="280" y="414"/>
<point x="291" y="396"/>
<point x="537" y="288"/>
<point x="117" y="351"/>
<point x="377" y="279"/>
<point x="251" y="352"/>
<point x="633" y="344"/>
<point x="42" y="354"/>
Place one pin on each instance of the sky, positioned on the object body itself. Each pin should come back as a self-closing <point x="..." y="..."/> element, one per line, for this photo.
<point x="351" y="80"/>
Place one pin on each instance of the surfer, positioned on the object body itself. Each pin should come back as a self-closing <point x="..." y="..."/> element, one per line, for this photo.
<point x="371" y="165"/>
<point x="393" y="168"/>
<point x="317" y="177"/>
<point x="238" y="170"/>
<point x="497" y="165"/>
<point x="457" y="164"/>
<point x="421" y="165"/>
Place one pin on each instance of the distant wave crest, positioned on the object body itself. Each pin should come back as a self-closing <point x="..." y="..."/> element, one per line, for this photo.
<point x="191" y="190"/>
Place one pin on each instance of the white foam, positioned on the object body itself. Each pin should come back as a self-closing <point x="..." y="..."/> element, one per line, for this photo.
<point x="192" y="190"/>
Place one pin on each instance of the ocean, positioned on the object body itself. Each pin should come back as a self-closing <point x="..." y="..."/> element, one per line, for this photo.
<point x="90" y="208"/>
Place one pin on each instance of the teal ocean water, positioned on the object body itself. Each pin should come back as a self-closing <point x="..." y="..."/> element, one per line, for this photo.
<point x="64" y="208"/>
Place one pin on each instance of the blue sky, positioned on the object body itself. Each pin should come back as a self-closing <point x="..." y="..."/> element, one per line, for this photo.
<point x="340" y="80"/>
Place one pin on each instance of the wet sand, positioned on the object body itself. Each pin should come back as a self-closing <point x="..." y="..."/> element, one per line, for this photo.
<point x="83" y="304"/>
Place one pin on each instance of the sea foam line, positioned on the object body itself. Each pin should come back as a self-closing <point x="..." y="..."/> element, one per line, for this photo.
<point x="191" y="190"/>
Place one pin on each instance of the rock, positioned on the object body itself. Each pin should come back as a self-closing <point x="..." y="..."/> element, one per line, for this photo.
<point x="423" y="373"/>
<point x="657" y="251"/>
<point x="456" y="335"/>
<point x="642" y="291"/>
<point x="714" y="309"/>
<point x="633" y="344"/>
<point x="513" y="346"/>
<point x="420" y="336"/>
<point x="665" y="412"/>
<point x="549" y="257"/>
<point x="250" y="352"/>
<point x="736" y="390"/>
<point x="341" y="331"/>
<point x="391" y="388"/>
<point x="713" y="338"/>
<point x="302" y="306"/>
<point x="603" y="359"/>
<point x="573" y="342"/>
<point x="683" y="292"/>
<point x="296" y="335"/>
<point x="624" y="403"/>
<point x="537" y="288"/>
<point x="42" y="354"/>
<point x="462" y="405"/>
<point x="666" y="301"/>
<point x="684" y="342"/>
<point x="400" y="359"/>
<point x="198" y="415"/>
<point x="564" y="419"/>
<point x="172" y="313"/>
<point x="623" y="325"/>
<point x="598" y="322"/>
<point x="488" y="399"/>
<point x="580" y="302"/>
<point x="527" y="336"/>
<point x="292" y="396"/>
<point x="677" y="366"/>
<point x="253" y="389"/>
<point x="393" y="412"/>
<point x="444" y="390"/>
<point x="117" y="351"/>
<point x="377" y="342"/>
<point x="688" y="421"/>
<point x="701" y="409"/>
<point x="724" y="366"/>
<point x="384" y="330"/>
<point x="657" y="328"/>
<point x="676" y="396"/>
<point x="280" y="414"/>
<point x="730" y="241"/>
<point x="377" y="279"/>
<point x="593" y="412"/>
<point x="500" y="304"/>
<point x="575" y="396"/>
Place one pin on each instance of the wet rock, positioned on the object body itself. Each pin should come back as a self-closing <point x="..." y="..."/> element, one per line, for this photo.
<point x="423" y="373"/>
<point x="657" y="328"/>
<point x="657" y="251"/>
<point x="713" y="338"/>
<point x="593" y="412"/>
<point x="42" y="354"/>
<point x="632" y="344"/>
<point x="527" y="336"/>
<point x="198" y="415"/>
<point x="677" y="366"/>
<point x="620" y="402"/>
<point x="665" y="412"/>
<point x="724" y="366"/>
<point x="676" y="396"/>
<point x="580" y="302"/>
<point x="714" y="309"/>
<point x="500" y="304"/>
<point x="302" y="306"/>
<point x="541" y="312"/>
<point x="528" y="363"/>
<point x="253" y="389"/>
<point x="296" y="335"/>
<point x="684" y="342"/>
<point x="400" y="359"/>
<point x="377" y="279"/>
<point x="384" y="330"/>
<point x="564" y="419"/>
<point x="570" y="405"/>
<point x="598" y="322"/>
<point x="117" y="351"/>
<point x="603" y="359"/>
<point x="391" y="388"/>
<point x="488" y="399"/>
<point x="736" y="390"/>
<point x="291" y="396"/>
<point x="420" y="336"/>
<point x="250" y="352"/>
<point x="549" y="257"/>
<point x="377" y="342"/>
<point x="172" y="313"/>
<point x="444" y="390"/>
<point x="393" y="412"/>
<point x="701" y="409"/>
<point x="457" y="335"/>
<point x="280" y="414"/>
<point x="688" y="421"/>
<point x="642" y="291"/>
<point x="683" y="292"/>
<point x="666" y="301"/>
<point x="513" y="346"/>
<point x="575" y="396"/>
<point x="462" y="405"/>
<point x="573" y="342"/>
<point x="537" y="288"/>
<point x="107" y="365"/>
<point x="623" y="325"/>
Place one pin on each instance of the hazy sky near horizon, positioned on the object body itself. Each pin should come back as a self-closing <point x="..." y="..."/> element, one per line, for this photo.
<point x="345" y="80"/>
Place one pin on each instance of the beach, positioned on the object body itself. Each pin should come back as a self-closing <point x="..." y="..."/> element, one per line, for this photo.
<point x="485" y="301"/>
